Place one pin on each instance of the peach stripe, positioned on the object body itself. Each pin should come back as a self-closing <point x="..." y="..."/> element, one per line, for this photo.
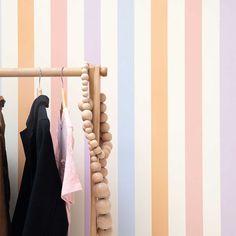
<point x="193" y="116"/>
<point x="159" y="119"/>
<point x="58" y="57"/>
<point x="25" y="59"/>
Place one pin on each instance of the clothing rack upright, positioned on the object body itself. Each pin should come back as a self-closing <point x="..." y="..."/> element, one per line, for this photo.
<point x="94" y="75"/>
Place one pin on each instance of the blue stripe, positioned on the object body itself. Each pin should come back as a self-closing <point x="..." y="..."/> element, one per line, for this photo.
<point x="126" y="204"/>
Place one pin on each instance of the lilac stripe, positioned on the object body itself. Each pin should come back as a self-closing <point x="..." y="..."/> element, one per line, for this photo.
<point x="228" y="116"/>
<point x="92" y="31"/>
<point x="92" y="40"/>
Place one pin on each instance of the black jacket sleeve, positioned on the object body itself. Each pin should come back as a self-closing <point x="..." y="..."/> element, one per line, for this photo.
<point x="46" y="213"/>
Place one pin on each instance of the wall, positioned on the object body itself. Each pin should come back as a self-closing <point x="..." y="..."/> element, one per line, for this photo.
<point x="171" y="101"/>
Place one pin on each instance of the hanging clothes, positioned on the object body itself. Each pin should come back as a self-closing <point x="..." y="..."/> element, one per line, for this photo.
<point x="65" y="161"/>
<point x="5" y="224"/>
<point x="40" y="211"/>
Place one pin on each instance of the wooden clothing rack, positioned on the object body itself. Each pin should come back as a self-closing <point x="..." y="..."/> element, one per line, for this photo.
<point x="95" y="72"/>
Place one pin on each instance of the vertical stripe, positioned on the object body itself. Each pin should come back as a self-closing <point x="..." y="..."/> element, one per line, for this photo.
<point x="92" y="54"/>
<point x="211" y="118"/>
<point x="126" y="118"/>
<point x="159" y="119"/>
<point x="142" y="88"/>
<point x="176" y="117"/>
<point x="109" y="87"/>
<point x="193" y="116"/>
<point x="75" y="54"/>
<point x="228" y="116"/>
<point x="9" y="58"/>
<point x="58" y="58"/>
<point x="92" y="34"/>
<point x="25" y="59"/>
<point x="42" y="42"/>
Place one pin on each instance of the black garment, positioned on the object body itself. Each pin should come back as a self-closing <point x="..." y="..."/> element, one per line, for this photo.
<point x="40" y="211"/>
<point x="5" y="224"/>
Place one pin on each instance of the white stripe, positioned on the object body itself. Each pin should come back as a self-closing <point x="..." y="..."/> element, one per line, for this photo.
<point x="176" y="117"/>
<point x="42" y="44"/>
<point x="109" y="87"/>
<point x="75" y="54"/>
<point x="142" y="88"/>
<point x="211" y="117"/>
<point x="9" y="58"/>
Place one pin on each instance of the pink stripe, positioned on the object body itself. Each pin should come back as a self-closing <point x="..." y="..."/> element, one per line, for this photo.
<point x="193" y="102"/>
<point x="58" y="57"/>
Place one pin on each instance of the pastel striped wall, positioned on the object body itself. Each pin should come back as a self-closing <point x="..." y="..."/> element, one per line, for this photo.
<point x="171" y="101"/>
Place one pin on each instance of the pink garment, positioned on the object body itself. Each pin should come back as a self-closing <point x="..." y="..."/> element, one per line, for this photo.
<point x="65" y="161"/>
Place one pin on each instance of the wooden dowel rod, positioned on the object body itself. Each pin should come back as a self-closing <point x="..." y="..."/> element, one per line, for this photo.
<point x="46" y="72"/>
<point x="95" y="95"/>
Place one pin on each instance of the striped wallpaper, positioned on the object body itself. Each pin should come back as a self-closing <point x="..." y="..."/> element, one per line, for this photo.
<point x="171" y="92"/>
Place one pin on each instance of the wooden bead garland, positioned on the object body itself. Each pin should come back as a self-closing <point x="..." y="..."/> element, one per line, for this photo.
<point x="98" y="154"/>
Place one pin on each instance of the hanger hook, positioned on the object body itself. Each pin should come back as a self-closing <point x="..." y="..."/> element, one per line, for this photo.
<point x="40" y="75"/>
<point x="62" y="82"/>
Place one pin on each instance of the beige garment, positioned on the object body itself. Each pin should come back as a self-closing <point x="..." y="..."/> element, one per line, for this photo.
<point x="4" y="180"/>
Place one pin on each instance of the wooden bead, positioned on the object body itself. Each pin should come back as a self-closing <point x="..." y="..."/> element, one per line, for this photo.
<point x="85" y="99"/>
<point x="103" y="206"/>
<point x="87" y="106"/>
<point x="102" y="97"/>
<point x="104" y="232"/>
<point x="104" y="172"/>
<point x="84" y="74"/>
<point x="80" y="105"/>
<point x="90" y="136"/>
<point x="92" y="153"/>
<point x="103" y="107"/>
<point x="85" y="65"/>
<point x="84" y="88"/>
<point x="107" y="147"/>
<point x="103" y="117"/>
<point x="101" y="155"/>
<point x="97" y="150"/>
<point x="87" y="115"/>
<point x="87" y="124"/>
<point x="104" y="221"/>
<point x="101" y="190"/>
<point x="84" y="82"/>
<point x="106" y="152"/>
<point x="85" y="94"/>
<point x="106" y="137"/>
<point x="104" y="127"/>
<point x="88" y="130"/>
<point x="95" y="166"/>
<point x="108" y="144"/>
<point x="93" y="159"/>
<point x="97" y="177"/>
<point x="103" y="162"/>
<point x="93" y="144"/>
